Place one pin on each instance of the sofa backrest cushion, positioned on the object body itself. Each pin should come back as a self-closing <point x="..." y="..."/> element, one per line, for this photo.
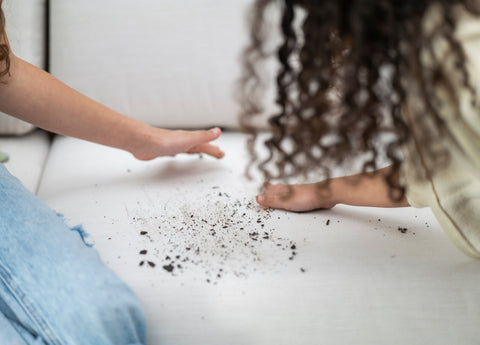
<point x="168" y="63"/>
<point x="26" y="30"/>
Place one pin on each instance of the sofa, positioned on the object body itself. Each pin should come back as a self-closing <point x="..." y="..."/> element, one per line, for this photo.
<point x="209" y="265"/>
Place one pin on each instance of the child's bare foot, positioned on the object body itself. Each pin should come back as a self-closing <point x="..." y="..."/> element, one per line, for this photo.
<point x="296" y="198"/>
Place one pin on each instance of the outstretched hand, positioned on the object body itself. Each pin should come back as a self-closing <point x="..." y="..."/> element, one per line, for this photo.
<point x="172" y="142"/>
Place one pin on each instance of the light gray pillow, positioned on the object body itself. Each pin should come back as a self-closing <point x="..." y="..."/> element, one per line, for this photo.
<point x="26" y="30"/>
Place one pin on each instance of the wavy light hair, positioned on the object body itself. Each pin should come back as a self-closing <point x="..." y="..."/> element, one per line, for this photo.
<point x="344" y="79"/>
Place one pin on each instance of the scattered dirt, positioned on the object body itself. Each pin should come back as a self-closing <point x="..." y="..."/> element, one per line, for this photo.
<point x="215" y="236"/>
<point x="219" y="235"/>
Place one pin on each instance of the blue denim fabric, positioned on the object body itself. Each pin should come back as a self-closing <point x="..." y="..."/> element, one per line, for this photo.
<point x="54" y="290"/>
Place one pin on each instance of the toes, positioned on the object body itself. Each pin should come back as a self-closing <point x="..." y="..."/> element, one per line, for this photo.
<point x="269" y="201"/>
<point x="261" y="199"/>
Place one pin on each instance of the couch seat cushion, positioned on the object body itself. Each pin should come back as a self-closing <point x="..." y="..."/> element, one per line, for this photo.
<point x="210" y="267"/>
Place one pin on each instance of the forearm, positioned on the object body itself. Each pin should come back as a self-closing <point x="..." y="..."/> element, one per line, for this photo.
<point x="365" y="190"/>
<point x="35" y="96"/>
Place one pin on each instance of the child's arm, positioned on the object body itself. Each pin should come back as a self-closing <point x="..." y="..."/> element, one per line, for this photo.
<point x="357" y="190"/>
<point x="35" y="96"/>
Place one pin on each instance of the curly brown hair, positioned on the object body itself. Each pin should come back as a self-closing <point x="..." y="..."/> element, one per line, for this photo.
<point x="4" y="50"/>
<point x="345" y="76"/>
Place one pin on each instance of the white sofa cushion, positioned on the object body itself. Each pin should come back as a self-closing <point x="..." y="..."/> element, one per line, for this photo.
<point x="28" y="156"/>
<point x="168" y="63"/>
<point x="26" y="30"/>
<point x="365" y="281"/>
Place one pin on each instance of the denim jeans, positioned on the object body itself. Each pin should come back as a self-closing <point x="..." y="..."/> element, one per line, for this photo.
<point x="53" y="288"/>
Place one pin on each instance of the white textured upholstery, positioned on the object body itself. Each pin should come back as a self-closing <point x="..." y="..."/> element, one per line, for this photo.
<point x="28" y="156"/>
<point x="26" y="30"/>
<point x="365" y="282"/>
<point x="168" y="63"/>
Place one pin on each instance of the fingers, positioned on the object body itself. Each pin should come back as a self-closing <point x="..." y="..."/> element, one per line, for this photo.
<point x="202" y="137"/>
<point x="199" y="141"/>
<point x="214" y="133"/>
<point x="208" y="149"/>
<point x="213" y="151"/>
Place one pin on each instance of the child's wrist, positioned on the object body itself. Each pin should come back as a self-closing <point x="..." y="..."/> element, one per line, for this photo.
<point x="143" y="139"/>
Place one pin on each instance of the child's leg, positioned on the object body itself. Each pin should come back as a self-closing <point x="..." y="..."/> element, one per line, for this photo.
<point x="52" y="286"/>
